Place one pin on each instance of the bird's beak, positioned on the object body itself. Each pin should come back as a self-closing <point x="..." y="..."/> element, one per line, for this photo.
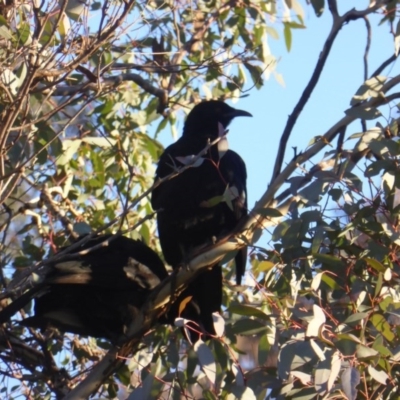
<point x="239" y="113"/>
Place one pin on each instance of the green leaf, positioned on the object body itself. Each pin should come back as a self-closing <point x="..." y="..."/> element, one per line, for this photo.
<point x="255" y="73"/>
<point x="365" y="352"/>
<point x="357" y="317"/>
<point x="287" y="34"/>
<point x="272" y="32"/>
<point x="24" y="33"/>
<point x="350" y="379"/>
<point x="64" y="27"/>
<point x="323" y="373"/>
<point x="96" y="5"/>
<point x="294" y="355"/>
<point x="379" y="376"/>
<point x="249" y="327"/>
<point x="70" y="149"/>
<point x="315" y="325"/>
<point x="9" y="79"/>
<point x="263" y="349"/>
<point x="104" y="142"/>
<point x="370" y="88"/>
<point x="144" y="391"/>
<point x="319" y="237"/>
<point x="318" y="6"/>
<point x="306" y="379"/>
<point x="82" y="228"/>
<point x="270" y="212"/>
<point x="3" y="21"/>
<point x="243" y="393"/>
<point x="75" y="9"/>
<point x="280" y="230"/>
<point x="380" y="346"/>
<point x="363" y="113"/>
<point x="206" y="360"/>
<point x="378" y="285"/>
<point x="316" y="282"/>
<point x="262" y="266"/>
<point x="336" y="194"/>
<point x="380" y="323"/>
<point x="330" y="282"/>
<point x="249" y="311"/>
<point x="5" y="32"/>
<point x="329" y="260"/>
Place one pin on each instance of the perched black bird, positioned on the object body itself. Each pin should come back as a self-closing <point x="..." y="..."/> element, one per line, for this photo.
<point x="204" y="202"/>
<point x="94" y="294"/>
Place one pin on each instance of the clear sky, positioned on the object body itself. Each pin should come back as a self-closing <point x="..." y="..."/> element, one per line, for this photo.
<point x="257" y="139"/>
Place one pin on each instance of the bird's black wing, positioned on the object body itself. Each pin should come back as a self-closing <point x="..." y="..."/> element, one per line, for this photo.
<point x="97" y="293"/>
<point x="233" y="168"/>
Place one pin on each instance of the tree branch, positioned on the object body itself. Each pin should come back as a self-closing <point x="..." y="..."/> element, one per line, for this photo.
<point x="386" y="63"/>
<point x="111" y="82"/>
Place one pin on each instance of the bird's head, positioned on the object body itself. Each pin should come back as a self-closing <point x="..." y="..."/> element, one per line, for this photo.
<point x="205" y="116"/>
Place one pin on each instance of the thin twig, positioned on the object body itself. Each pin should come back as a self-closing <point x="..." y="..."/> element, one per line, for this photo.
<point x="386" y="63"/>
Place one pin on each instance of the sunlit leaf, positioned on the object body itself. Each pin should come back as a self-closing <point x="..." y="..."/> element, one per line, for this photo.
<point x="363" y="113"/>
<point x="379" y="376"/>
<point x="364" y="352"/>
<point x="219" y="324"/>
<point x="370" y="88"/>
<point x="317" y="322"/>
<point x="305" y="379"/>
<point x="336" y="364"/>
<point x="70" y="148"/>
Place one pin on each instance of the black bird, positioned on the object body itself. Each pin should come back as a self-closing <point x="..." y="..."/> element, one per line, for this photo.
<point x="94" y="294"/>
<point x="204" y="202"/>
